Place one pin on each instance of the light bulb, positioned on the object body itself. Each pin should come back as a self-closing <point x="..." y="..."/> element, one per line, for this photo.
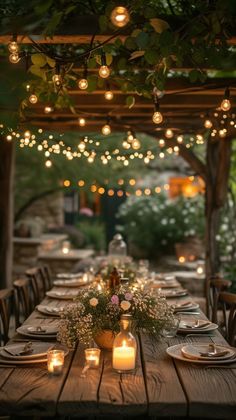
<point x="33" y="99"/>
<point x="48" y="163"/>
<point x="82" y="122"/>
<point x="225" y="104"/>
<point x="207" y="123"/>
<point x="180" y="139"/>
<point x="126" y="145"/>
<point x="27" y="134"/>
<point x="48" y="109"/>
<point x="83" y="84"/>
<point x="130" y="136"/>
<point x="136" y="144"/>
<point x="13" y="47"/>
<point x="222" y="133"/>
<point x="120" y="16"/>
<point x="27" y="87"/>
<point x="57" y="80"/>
<point x="108" y="95"/>
<point x="14" y="58"/>
<point x="162" y="142"/>
<point x="169" y="133"/>
<point x="104" y="72"/>
<point x="106" y="129"/>
<point x="81" y="146"/>
<point x="157" y="117"/>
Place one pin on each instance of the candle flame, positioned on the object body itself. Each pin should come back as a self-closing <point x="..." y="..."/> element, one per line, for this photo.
<point x="123" y="343"/>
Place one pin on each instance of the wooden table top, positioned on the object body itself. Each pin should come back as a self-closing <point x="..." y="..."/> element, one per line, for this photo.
<point x="160" y="386"/>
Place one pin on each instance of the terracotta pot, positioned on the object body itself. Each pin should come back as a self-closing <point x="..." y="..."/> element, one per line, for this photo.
<point x="105" y="339"/>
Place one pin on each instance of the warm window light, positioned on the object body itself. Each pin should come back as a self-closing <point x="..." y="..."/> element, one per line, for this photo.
<point x="169" y="133"/>
<point x="108" y="95"/>
<point x="14" y="58"/>
<point x="226" y="104"/>
<point x="33" y="99"/>
<point x="120" y="16"/>
<point x="104" y="72"/>
<point x="106" y="130"/>
<point x="83" y="84"/>
<point x="82" y="122"/>
<point x="13" y="47"/>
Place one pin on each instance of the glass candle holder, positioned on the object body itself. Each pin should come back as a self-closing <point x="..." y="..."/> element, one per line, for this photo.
<point x="124" y="347"/>
<point x="65" y="247"/>
<point x="92" y="357"/>
<point x="55" y="361"/>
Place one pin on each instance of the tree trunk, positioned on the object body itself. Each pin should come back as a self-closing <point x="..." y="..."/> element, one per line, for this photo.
<point x="6" y="212"/>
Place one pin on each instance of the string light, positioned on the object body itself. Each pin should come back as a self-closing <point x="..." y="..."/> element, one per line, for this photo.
<point x="120" y="16"/>
<point x="157" y="117"/>
<point x="180" y="139"/>
<point x="13" y="47"/>
<point x="136" y="144"/>
<point x="106" y="129"/>
<point x="104" y="70"/>
<point x="208" y="123"/>
<point x="226" y="104"/>
<point x="48" y="163"/>
<point x="82" y="122"/>
<point x="48" y="109"/>
<point x="33" y="99"/>
<point x="169" y="133"/>
<point x="108" y="95"/>
<point x="14" y="58"/>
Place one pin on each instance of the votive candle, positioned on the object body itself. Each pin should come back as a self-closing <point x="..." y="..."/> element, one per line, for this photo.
<point x="55" y="361"/>
<point x="92" y="357"/>
<point x="123" y="358"/>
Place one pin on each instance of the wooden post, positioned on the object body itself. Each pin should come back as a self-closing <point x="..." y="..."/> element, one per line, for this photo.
<point x="6" y="212"/>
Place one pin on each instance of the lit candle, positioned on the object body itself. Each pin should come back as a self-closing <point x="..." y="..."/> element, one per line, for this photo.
<point x="123" y="357"/>
<point x="65" y="247"/>
<point x="92" y="357"/>
<point x="55" y="361"/>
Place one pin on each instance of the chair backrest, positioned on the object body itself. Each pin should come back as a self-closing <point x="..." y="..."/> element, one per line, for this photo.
<point x="37" y="284"/>
<point x="228" y="302"/>
<point x="6" y="309"/>
<point x="24" y="304"/>
<point x="46" y="276"/>
<point x="216" y="285"/>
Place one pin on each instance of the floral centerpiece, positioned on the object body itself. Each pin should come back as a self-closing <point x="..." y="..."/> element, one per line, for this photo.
<point x="94" y="312"/>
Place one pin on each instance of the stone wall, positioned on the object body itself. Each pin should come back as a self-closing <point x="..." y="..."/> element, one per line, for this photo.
<point x="49" y="208"/>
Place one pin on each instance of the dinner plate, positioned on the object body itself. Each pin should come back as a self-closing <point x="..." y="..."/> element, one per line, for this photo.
<point x="188" y="326"/>
<point x="69" y="275"/>
<point x="9" y="362"/>
<point x="164" y="284"/>
<point x="70" y="283"/>
<point x="181" y="307"/>
<point x="61" y="295"/>
<point x="176" y="353"/>
<point x="39" y="351"/>
<point x="173" y="293"/>
<point x="30" y="331"/>
<point x="193" y="351"/>
<point x="49" y="310"/>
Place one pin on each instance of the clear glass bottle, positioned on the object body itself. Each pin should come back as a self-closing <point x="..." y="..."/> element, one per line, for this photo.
<point x="124" y="347"/>
<point x="117" y="246"/>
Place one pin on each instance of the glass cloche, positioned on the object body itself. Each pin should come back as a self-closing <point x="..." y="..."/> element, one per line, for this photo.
<point x="117" y="246"/>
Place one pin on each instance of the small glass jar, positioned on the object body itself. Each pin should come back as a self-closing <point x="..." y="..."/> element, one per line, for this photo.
<point x="92" y="357"/>
<point x="66" y="247"/>
<point x="124" y="347"/>
<point x="55" y="361"/>
<point x="117" y="246"/>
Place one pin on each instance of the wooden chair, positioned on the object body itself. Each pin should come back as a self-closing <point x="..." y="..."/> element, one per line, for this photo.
<point x="6" y="309"/>
<point x="228" y="302"/>
<point x="47" y="277"/>
<point x="37" y="284"/>
<point x="215" y="286"/>
<point x="24" y="304"/>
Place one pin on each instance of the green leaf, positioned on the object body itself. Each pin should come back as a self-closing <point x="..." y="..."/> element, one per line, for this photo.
<point x="43" y="7"/>
<point x="51" y="62"/>
<point x="53" y="23"/>
<point x="122" y="64"/>
<point x="130" y="101"/>
<point x="39" y="59"/>
<point x="92" y="63"/>
<point x="109" y="59"/>
<point x="98" y="59"/>
<point x="37" y="71"/>
<point x="193" y="75"/>
<point x="130" y="43"/>
<point x="142" y="40"/>
<point x="136" y="54"/>
<point x="152" y="56"/>
<point x="159" y="25"/>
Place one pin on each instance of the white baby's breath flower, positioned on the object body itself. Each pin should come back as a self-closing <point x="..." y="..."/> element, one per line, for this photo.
<point x="125" y="305"/>
<point x="93" y="301"/>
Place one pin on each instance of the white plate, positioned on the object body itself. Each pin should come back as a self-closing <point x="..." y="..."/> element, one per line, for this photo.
<point x="164" y="284"/>
<point x="183" y="328"/>
<point x="61" y="295"/>
<point x="173" y="293"/>
<point x="49" y="310"/>
<point x="28" y="331"/>
<point x="21" y="362"/>
<point x="39" y="350"/>
<point x="70" y="283"/>
<point x="69" y="275"/>
<point x="185" y="308"/>
<point x="192" y="351"/>
<point x="176" y="353"/>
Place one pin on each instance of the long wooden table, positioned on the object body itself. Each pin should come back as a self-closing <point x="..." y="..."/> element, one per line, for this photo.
<point x="160" y="386"/>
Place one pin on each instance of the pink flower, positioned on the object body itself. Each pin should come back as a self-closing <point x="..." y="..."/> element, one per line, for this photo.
<point x="128" y="296"/>
<point x="115" y="300"/>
